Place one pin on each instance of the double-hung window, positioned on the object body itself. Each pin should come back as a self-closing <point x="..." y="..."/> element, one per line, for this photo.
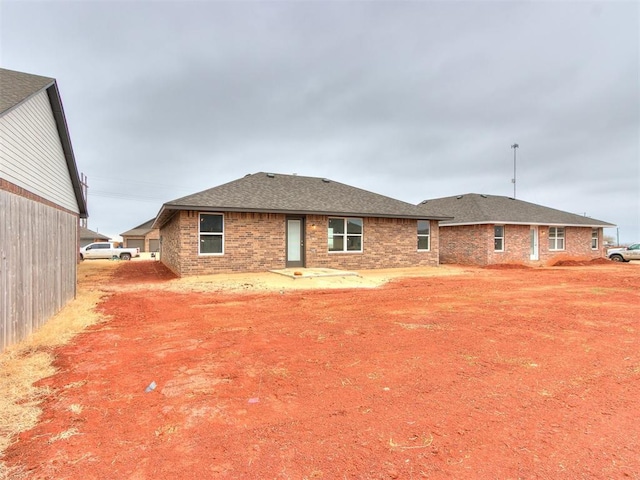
<point x="345" y="234"/>
<point x="594" y="239"/>
<point x="424" y="233"/>
<point x="556" y="238"/>
<point x="211" y="234"/>
<point x="498" y="238"/>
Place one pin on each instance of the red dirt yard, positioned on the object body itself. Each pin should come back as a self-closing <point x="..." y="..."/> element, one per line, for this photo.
<point x="492" y="373"/>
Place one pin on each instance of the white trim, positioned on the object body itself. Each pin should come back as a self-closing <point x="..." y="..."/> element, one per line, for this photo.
<point x="346" y="234"/>
<point x="222" y="234"/>
<point x="596" y="238"/>
<point x="537" y="224"/>
<point x="556" y="238"/>
<point x="534" y="243"/>
<point x="495" y="237"/>
<point x="428" y="236"/>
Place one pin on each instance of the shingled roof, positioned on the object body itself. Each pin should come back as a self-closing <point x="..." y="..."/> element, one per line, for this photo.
<point x="86" y="234"/>
<point x="292" y="194"/>
<point x="18" y="87"/>
<point x="140" y="230"/>
<point x="15" y="87"/>
<point x="473" y="209"/>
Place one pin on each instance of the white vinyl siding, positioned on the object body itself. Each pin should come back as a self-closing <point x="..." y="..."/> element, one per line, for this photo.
<point x="31" y="154"/>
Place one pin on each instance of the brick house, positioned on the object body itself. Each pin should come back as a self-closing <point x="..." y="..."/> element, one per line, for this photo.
<point x="41" y="202"/>
<point x="144" y="237"/>
<point x="490" y="229"/>
<point x="268" y="221"/>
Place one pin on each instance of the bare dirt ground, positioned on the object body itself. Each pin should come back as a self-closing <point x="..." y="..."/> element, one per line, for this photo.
<point x="452" y="373"/>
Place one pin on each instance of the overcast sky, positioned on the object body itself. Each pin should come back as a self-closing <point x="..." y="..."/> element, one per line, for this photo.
<point x="414" y="100"/>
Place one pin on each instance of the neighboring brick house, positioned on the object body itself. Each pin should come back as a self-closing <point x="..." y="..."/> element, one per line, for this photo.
<point x="41" y="202"/>
<point x="144" y="237"/>
<point x="89" y="236"/>
<point x="490" y="229"/>
<point x="268" y="221"/>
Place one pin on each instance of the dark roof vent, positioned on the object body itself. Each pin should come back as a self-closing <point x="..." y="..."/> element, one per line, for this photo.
<point x="326" y="180"/>
<point x="459" y="197"/>
<point x="270" y="175"/>
<point x="247" y="175"/>
<point x="424" y="202"/>
<point x="483" y="196"/>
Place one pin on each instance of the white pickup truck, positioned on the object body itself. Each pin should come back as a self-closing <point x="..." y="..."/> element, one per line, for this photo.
<point x="632" y="252"/>
<point x="107" y="250"/>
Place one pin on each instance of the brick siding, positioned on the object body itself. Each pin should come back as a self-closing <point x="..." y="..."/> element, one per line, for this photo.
<point x="474" y="245"/>
<point x="256" y="242"/>
<point x="21" y="192"/>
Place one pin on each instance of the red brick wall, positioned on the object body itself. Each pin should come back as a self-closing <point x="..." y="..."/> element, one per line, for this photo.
<point x="256" y="242"/>
<point x="474" y="245"/>
<point x="16" y="190"/>
<point x="170" y="243"/>
<point x="387" y="243"/>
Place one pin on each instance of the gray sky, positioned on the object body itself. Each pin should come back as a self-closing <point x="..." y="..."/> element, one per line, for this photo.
<point x="413" y="100"/>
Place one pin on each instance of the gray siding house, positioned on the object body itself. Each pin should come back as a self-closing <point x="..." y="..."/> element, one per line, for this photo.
<point x="41" y="202"/>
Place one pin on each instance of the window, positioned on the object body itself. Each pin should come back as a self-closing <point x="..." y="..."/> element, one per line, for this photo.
<point x="498" y="238"/>
<point x="345" y="235"/>
<point x="594" y="239"/>
<point x="423" y="235"/>
<point x="211" y="234"/>
<point x="556" y="238"/>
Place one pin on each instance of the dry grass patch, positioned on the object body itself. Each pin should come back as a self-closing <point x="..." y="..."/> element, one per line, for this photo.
<point x="24" y="364"/>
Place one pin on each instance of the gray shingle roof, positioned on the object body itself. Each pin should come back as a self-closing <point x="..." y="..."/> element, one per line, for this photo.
<point x="86" y="234"/>
<point x="276" y="193"/>
<point x="140" y="230"/>
<point x="473" y="208"/>
<point x="15" y="87"/>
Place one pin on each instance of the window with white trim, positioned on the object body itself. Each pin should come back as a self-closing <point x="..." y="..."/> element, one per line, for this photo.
<point x="424" y="235"/>
<point x="556" y="238"/>
<point x="211" y="234"/>
<point x="498" y="238"/>
<point x="345" y="234"/>
<point x="594" y="239"/>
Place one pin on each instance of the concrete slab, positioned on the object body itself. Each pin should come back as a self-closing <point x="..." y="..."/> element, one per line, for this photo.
<point x="313" y="272"/>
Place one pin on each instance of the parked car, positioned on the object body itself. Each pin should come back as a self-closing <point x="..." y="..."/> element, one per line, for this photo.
<point x="108" y="250"/>
<point x="632" y="252"/>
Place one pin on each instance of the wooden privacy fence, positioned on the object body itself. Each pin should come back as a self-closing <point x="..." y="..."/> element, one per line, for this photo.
<point x="38" y="262"/>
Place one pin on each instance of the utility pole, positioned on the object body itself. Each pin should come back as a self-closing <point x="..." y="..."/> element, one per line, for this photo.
<point x="513" y="180"/>
<point x="85" y="187"/>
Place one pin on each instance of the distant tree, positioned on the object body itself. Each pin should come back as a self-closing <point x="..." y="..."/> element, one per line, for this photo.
<point x="609" y="240"/>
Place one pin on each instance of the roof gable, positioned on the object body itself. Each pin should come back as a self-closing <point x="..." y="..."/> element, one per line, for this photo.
<point x="140" y="230"/>
<point x="18" y="87"/>
<point x="276" y="193"/>
<point x="86" y="234"/>
<point x="473" y="208"/>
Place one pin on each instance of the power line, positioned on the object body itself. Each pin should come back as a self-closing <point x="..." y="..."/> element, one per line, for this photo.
<point x="141" y="182"/>
<point x="143" y="198"/>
